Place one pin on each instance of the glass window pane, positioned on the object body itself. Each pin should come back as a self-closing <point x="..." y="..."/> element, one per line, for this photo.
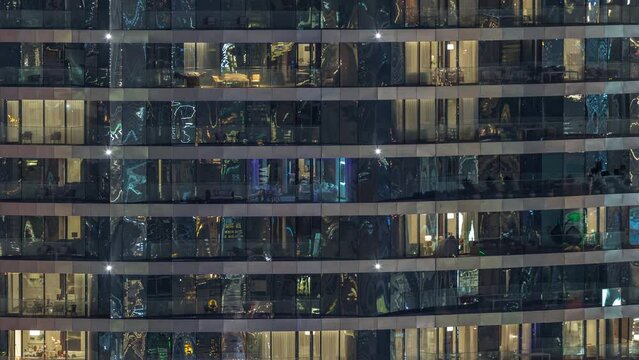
<point x="32" y="126"/>
<point x="33" y="294"/>
<point x="54" y="116"/>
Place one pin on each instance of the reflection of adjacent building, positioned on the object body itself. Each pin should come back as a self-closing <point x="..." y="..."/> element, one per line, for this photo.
<point x="319" y="179"/>
<point x="330" y="180"/>
<point x="314" y="122"/>
<point x="334" y="14"/>
<point x="315" y="237"/>
<point x="311" y="64"/>
<point x="503" y="291"/>
<point x="590" y="339"/>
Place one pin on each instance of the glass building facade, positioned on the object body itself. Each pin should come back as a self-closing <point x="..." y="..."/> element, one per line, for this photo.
<point x="319" y="179"/>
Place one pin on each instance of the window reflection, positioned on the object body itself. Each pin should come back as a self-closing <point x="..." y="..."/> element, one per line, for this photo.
<point x="315" y="122"/>
<point x="450" y="234"/>
<point x="368" y="294"/>
<point x="290" y="64"/>
<point x="325" y="180"/>
<point x="314" y="14"/>
<point x="599" y="338"/>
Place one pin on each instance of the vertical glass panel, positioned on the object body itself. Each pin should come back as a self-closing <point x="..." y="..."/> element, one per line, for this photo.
<point x="159" y="236"/>
<point x="129" y="237"/>
<point x="207" y="235"/>
<point x="233" y="243"/>
<point x="134" y="297"/>
<point x="14" y="301"/>
<point x="309" y="14"/>
<point x="32" y="121"/>
<point x="234" y="295"/>
<point x="115" y="184"/>
<point x="183" y="14"/>
<point x="404" y="292"/>
<point x="469" y="113"/>
<point x="54" y="294"/>
<point x="32" y="294"/>
<point x="552" y="60"/>
<point x="428" y="343"/>
<point x="158" y="346"/>
<point x="207" y="345"/>
<point x="75" y="345"/>
<point x="467" y="340"/>
<point x="331" y="345"/>
<point x="183" y="122"/>
<point x="133" y="345"/>
<point x="53" y="64"/>
<point x="33" y="235"/>
<point x="76" y="296"/>
<point x="208" y="63"/>
<point x="75" y="60"/>
<point x="13" y="121"/>
<point x="412" y="235"/>
<point x="283" y="345"/>
<point x="282" y="70"/>
<point x="31" y="64"/>
<point x="573" y="59"/>
<point x="509" y="339"/>
<point x="283" y="233"/>
<point x="134" y="72"/>
<point x="54" y="117"/>
<point x="159" y="180"/>
<point x="572" y="338"/>
<point x="133" y="126"/>
<point x="331" y="65"/>
<point x="258" y="238"/>
<point x="428" y="62"/>
<point x="258" y="344"/>
<point x="427" y="234"/>
<point x="75" y="122"/>
<point x="209" y="294"/>
<point x="33" y="342"/>
<point x="468" y="62"/>
<point x="183" y="177"/>
<point x="183" y="238"/>
<point x="308" y="69"/>
<point x="184" y="295"/>
<point x="134" y="181"/>
<point x="133" y="14"/>
<point x="307" y="295"/>
<point x="427" y="120"/>
<point x="309" y="344"/>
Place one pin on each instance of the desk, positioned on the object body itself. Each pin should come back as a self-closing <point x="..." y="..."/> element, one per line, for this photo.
<point x="192" y="78"/>
<point x="236" y="78"/>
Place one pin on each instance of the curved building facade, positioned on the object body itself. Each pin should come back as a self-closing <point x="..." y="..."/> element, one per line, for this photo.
<point x="319" y="179"/>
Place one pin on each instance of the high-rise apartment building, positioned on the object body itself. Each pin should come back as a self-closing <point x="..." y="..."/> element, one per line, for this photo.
<point x="319" y="179"/>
